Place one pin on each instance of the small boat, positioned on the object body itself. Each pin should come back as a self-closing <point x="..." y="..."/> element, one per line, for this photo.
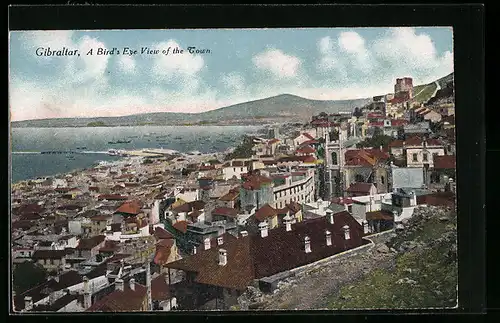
<point x="123" y="141"/>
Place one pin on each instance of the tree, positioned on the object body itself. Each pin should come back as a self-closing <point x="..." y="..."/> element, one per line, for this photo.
<point x="323" y="115"/>
<point x="243" y="150"/>
<point x="27" y="275"/>
<point x="357" y="112"/>
<point x="378" y="139"/>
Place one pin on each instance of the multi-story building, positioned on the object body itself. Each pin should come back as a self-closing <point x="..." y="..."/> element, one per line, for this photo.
<point x="296" y="186"/>
<point x="256" y="191"/>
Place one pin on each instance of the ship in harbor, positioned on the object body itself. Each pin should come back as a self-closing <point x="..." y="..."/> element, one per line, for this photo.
<point x="119" y="142"/>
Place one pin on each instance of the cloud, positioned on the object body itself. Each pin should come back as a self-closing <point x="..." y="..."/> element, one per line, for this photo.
<point x="399" y="52"/>
<point x="345" y="66"/>
<point x="175" y="65"/>
<point x="412" y="53"/>
<point x="126" y="64"/>
<point x="278" y="63"/>
<point x="233" y="81"/>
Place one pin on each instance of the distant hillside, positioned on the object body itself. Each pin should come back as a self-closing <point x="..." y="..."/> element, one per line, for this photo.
<point x="282" y="107"/>
<point x="422" y="93"/>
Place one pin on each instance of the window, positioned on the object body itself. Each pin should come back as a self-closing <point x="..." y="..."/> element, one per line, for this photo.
<point x="425" y="157"/>
<point x="334" y="158"/>
<point x="382" y="179"/>
<point x="349" y="208"/>
<point x="415" y="158"/>
<point x="241" y="169"/>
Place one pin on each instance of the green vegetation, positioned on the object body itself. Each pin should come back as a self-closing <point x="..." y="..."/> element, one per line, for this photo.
<point x="27" y="275"/>
<point x="96" y="124"/>
<point x="243" y="150"/>
<point x="378" y="139"/>
<point x="421" y="278"/>
<point x="424" y="92"/>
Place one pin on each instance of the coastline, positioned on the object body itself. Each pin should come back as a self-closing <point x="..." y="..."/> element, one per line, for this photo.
<point x="120" y="163"/>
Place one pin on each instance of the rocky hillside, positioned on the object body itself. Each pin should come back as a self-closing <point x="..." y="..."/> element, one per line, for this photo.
<point x="412" y="268"/>
<point x="425" y="271"/>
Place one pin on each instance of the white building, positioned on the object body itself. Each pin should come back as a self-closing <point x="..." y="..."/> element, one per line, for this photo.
<point x="296" y="186"/>
<point x="369" y="203"/>
<point x="234" y="168"/>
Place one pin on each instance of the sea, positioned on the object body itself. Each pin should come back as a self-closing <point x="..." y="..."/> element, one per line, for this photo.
<point x="86" y="146"/>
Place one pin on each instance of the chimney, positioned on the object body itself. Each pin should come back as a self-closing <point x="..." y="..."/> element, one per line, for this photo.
<point x="328" y="238"/>
<point x="194" y="250"/>
<point x="381" y="148"/>
<point x="244" y="233"/>
<point x="307" y="244"/>
<point x="366" y="229"/>
<point x="222" y="257"/>
<point x="119" y="284"/>
<point x="207" y="243"/>
<point x="263" y="228"/>
<point x="346" y="232"/>
<point x="413" y="201"/>
<point x="28" y="303"/>
<point x="395" y="215"/>
<point x="220" y="240"/>
<point x="288" y="222"/>
<point x="87" y="296"/>
<point x="132" y="283"/>
<point x="329" y="216"/>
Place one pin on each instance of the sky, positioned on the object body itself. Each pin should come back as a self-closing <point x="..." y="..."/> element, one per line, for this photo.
<point x="243" y="65"/>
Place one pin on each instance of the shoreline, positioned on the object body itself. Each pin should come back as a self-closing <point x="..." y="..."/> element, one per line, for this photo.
<point x="122" y="161"/>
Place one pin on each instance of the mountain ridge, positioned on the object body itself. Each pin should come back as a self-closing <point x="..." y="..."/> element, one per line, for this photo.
<point x="278" y="108"/>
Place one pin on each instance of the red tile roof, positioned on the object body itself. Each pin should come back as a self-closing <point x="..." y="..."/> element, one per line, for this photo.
<point x="254" y="182"/>
<point x="365" y="157"/>
<point x="310" y="142"/>
<point x="437" y="199"/>
<point x="360" y="188"/>
<point x="189" y="207"/>
<point x="163" y="250"/>
<point x="121" y="301"/>
<point x="90" y="243"/>
<point x="377" y="124"/>
<point x="181" y="226"/>
<point x="110" y="246"/>
<point x="375" y="115"/>
<point x="399" y="122"/>
<point x="225" y="211"/>
<point x="396" y="144"/>
<point x="306" y="149"/>
<point x="273" y="141"/>
<point x="308" y="136"/>
<point x="379" y="215"/>
<point x="49" y="254"/>
<point x="253" y="257"/>
<point x="160" y="290"/>
<point x="66" y="280"/>
<point x="161" y="233"/>
<point x="265" y="212"/>
<point x="130" y="207"/>
<point x="230" y="196"/>
<point x="445" y="162"/>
